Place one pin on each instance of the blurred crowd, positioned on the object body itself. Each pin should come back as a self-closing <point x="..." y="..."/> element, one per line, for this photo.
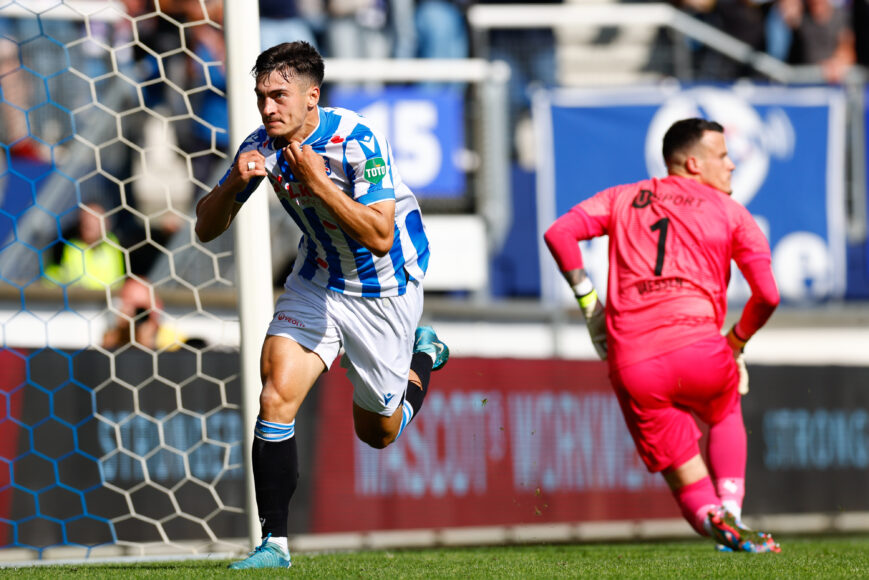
<point x="830" y="33"/>
<point x="164" y="71"/>
<point x="174" y="49"/>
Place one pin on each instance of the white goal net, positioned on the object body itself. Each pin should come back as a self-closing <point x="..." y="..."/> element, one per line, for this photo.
<point x="120" y="430"/>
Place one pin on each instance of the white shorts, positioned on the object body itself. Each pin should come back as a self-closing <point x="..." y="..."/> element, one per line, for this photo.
<point x="376" y="333"/>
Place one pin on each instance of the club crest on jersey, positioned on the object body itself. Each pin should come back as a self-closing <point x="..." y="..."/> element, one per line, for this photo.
<point x="375" y="170"/>
<point x="328" y="168"/>
<point x="367" y="144"/>
<point x="643" y="199"/>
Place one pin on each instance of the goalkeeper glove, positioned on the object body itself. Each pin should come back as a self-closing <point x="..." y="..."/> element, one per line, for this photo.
<point x="595" y="319"/>
<point x="737" y="345"/>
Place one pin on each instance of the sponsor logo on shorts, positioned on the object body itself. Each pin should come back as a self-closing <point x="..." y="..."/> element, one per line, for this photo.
<point x="290" y="320"/>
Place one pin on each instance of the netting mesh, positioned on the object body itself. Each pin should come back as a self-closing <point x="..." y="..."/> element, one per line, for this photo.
<point x="119" y="397"/>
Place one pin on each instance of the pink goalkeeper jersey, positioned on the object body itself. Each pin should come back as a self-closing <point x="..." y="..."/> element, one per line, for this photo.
<point x="670" y="245"/>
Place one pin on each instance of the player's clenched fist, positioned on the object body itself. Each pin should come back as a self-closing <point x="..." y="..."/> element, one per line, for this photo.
<point x="306" y="164"/>
<point x="249" y="165"/>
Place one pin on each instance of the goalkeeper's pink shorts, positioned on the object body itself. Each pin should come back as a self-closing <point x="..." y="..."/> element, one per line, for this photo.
<point x="657" y="397"/>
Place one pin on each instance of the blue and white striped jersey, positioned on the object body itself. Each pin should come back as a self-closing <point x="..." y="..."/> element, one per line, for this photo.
<point x="360" y="162"/>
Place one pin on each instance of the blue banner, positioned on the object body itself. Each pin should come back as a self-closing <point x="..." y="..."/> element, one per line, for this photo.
<point x="425" y="129"/>
<point x="787" y="144"/>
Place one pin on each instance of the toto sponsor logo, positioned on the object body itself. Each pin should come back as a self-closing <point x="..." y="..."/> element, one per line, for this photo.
<point x="290" y="319"/>
<point x="375" y="170"/>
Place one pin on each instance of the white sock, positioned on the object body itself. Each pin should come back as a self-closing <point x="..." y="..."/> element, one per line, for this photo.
<point x="733" y="508"/>
<point x="707" y="525"/>
<point x="282" y="542"/>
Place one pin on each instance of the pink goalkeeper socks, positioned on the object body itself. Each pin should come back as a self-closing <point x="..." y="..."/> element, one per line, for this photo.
<point x="696" y="500"/>
<point x="731" y="490"/>
<point x="727" y="454"/>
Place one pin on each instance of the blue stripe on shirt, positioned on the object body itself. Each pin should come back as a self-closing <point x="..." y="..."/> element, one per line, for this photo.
<point x="396" y="255"/>
<point x="309" y="266"/>
<point x="333" y="257"/>
<point x="413" y="226"/>
<point x="376" y="195"/>
<point x="365" y="268"/>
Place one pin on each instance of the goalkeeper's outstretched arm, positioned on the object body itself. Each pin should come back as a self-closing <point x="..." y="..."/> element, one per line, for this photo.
<point x="592" y="308"/>
<point x="561" y="239"/>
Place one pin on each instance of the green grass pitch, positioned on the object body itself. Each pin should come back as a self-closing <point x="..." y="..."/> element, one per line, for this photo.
<point x="801" y="557"/>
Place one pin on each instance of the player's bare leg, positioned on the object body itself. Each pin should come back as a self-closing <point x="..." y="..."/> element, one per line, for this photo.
<point x="288" y="372"/>
<point x="429" y="354"/>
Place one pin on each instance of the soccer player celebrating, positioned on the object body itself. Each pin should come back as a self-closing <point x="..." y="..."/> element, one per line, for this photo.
<point x="356" y="284"/>
<point x="670" y="245"/>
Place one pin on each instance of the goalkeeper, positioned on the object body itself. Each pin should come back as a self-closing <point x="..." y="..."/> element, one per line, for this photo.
<point x="671" y="241"/>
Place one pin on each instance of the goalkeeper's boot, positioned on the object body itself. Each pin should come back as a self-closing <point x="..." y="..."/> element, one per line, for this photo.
<point x="266" y="555"/>
<point x="729" y="533"/>
<point x="427" y="341"/>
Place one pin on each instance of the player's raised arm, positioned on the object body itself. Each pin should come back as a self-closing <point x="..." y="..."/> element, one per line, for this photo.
<point x="561" y="239"/>
<point x="215" y="211"/>
<point x="373" y="225"/>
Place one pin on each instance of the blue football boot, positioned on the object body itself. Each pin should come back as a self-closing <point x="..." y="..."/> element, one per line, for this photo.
<point x="266" y="555"/>
<point x="427" y="341"/>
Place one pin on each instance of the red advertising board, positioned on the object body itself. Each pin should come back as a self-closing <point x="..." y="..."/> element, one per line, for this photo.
<point x="12" y="377"/>
<point x="498" y="442"/>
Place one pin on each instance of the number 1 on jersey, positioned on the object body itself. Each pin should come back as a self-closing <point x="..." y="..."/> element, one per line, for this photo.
<point x="661" y="225"/>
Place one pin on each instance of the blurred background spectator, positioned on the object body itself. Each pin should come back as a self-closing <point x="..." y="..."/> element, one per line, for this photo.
<point x="373" y="29"/>
<point x="754" y="22"/>
<point x="822" y="34"/>
<point x="138" y="317"/>
<point x="16" y="98"/>
<point x="531" y="54"/>
<point x="290" y="20"/>
<point x="139" y="320"/>
<point x="162" y="193"/>
<point x="207" y="125"/>
<point x="442" y="32"/>
<point x="441" y="29"/>
<point x="21" y="128"/>
<point x="744" y="20"/>
<point x="91" y="256"/>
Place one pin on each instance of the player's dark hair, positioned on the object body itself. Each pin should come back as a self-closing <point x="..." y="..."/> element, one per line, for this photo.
<point x="683" y="135"/>
<point x="291" y="59"/>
